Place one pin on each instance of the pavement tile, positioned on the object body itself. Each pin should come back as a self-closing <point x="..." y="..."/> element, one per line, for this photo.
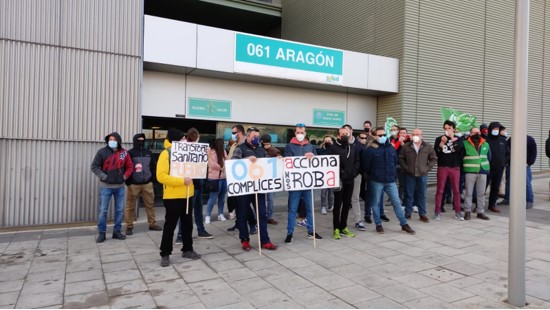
<point x="215" y="257"/>
<point x="537" y="289"/>
<point x="272" y="273"/>
<point x="291" y="283"/>
<point x="88" y="300"/>
<point x="472" y="258"/>
<point x="259" y="264"/>
<point x="355" y="294"/>
<point x="447" y="292"/>
<point x="493" y="277"/>
<point x="86" y="266"/>
<point x="49" y="286"/>
<point x="232" y="275"/>
<point x="266" y="297"/>
<point x="209" y="286"/>
<point x="442" y="274"/>
<point x="313" y="271"/>
<point x="183" y="299"/>
<point x="478" y="302"/>
<point x="464" y="282"/>
<point x="380" y="303"/>
<point x="126" y="287"/>
<point x="8" y="300"/>
<point x="11" y="286"/>
<point x="400" y="293"/>
<point x="373" y="281"/>
<point x="416" y="280"/>
<point x="539" y="265"/>
<point x="72" y="277"/>
<point x="192" y="276"/>
<point x="12" y="275"/>
<point x="313" y="294"/>
<point x="218" y="298"/>
<point x="112" y="258"/>
<point x="40" y="300"/>
<point x="137" y="300"/>
<point x="47" y="266"/>
<point x="50" y="275"/>
<point x="246" y="305"/>
<point x="350" y="270"/>
<point x="489" y="291"/>
<point x="440" y="260"/>
<point x="390" y="270"/>
<point x="122" y="275"/>
<point x="167" y="287"/>
<point x="429" y="302"/>
<point x="224" y="265"/>
<point x="84" y="287"/>
<point x="330" y="304"/>
<point x="466" y="269"/>
<point x="250" y="285"/>
<point x="332" y="282"/>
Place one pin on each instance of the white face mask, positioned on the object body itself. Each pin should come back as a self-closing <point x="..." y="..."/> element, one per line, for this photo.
<point x="113" y="144"/>
<point x="495" y="132"/>
<point x="394" y="133"/>
<point x="300" y="137"/>
<point x="416" y="139"/>
<point x="505" y="134"/>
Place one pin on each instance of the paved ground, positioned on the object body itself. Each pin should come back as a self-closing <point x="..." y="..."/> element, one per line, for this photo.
<point x="448" y="264"/>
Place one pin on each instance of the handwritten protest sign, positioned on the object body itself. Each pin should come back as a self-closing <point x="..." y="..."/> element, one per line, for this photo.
<point x="189" y="160"/>
<point x="245" y="177"/>
<point x="318" y="172"/>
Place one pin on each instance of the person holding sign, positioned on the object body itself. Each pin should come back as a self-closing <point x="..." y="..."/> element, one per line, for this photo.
<point x="300" y="146"/>
<point x="251" y="150"/>
<point x="176" y="192"/>
<point x="271" y="151"/>
<point x="349" y="169"/>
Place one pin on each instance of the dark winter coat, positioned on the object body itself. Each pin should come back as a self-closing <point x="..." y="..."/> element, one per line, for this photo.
<point x="144" y="165"/>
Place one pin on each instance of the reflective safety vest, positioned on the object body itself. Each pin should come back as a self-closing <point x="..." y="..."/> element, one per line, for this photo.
<point x="474" y="159"/>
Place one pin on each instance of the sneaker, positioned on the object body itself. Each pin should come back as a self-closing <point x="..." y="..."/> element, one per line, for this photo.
<point x="100" y="238"/>
<point x="323" y="210"/>
<point x="129" y="231"/>
<point x="336" y="234"/>
<point x="529" y="205"/>
<point x="379" y="229"/>
<point x="482" y="216"/>
<point x="415" y="209"/>
<point x="467" y="215"/>
<point x="388" y="203"/>
<point x="232" y="215"/>
<point x="272" y="222"/>
<point x="458" y="217"/>
<point x="384" y="218"/>
<point x="368" y="220"/>
<point x="348" y="233"/>
<point x="406" y="228"/>
<point x="205" y="235"/>
<point x="190" y="254"/>
<point x="253" y="229"/>
<point x="443" y="209"/>
<point x="360" y="226"/>
<point x="302" y="223"/>
<point x="424" y="219"/>
<point x="246" y="245"/>
<point x="232" y="228"/>
<point x="330" y="209"/>
<point x="317" y="236"/>
<point x="503" y="202"/>
<point x="118" y="235"/>
<point x="178" y="240"/>
<point x="407" y="216"/>
<point x="437" y="217"/>
<point x="207" y="219"/>
<point x="155" y="228"/>
<point x="165" y="261"/>
<point x="221" y="218"/>
<point x="288" y="239"/>
<point x="269" y="246"/>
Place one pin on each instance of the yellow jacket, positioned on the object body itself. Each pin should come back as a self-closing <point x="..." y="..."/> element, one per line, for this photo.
<point x="174" y="187"/>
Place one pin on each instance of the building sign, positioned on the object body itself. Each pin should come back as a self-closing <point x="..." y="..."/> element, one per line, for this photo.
<point x="329" y="118"/>
<point x="209" y="108"/>
<point x="288" y="60"/>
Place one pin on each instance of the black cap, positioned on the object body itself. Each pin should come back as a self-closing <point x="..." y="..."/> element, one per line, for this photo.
<point x="174" y="135"/>
<point x="483" y="126"/>
<point x="265" y="138"/>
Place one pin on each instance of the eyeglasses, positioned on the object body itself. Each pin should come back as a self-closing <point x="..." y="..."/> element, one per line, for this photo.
<point x="253" y="129"/>
<point x="381" y="135"/>
<point x="363" y="138"/>
<point x="300" y="125"/>
<point x="234" y="132"/>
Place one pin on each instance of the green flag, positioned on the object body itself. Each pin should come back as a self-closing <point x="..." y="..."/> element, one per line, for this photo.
<point x="390" y="121"/>
<point x="464" y="122"/>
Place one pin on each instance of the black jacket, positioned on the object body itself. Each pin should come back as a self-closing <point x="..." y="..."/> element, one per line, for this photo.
<point x="349" y="162"/>
<point x="531" y="150"/>
<point x="144" y="165"/>
<point x="548" y="147"/>
<point x="498" y="147"/>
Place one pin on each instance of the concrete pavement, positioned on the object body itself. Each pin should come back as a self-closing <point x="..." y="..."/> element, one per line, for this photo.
<point x="447" y="264"/>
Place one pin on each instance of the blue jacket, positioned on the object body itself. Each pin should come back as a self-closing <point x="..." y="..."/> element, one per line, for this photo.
<point x="294" y="148"/>
<point x="379" y="162"/>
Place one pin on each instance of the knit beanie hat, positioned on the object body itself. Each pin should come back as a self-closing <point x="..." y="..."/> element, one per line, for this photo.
<point x="174" y="135"/>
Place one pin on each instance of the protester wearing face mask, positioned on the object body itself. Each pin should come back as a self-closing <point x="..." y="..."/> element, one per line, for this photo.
<point x="300" y="146"/>
<point x="113" y="165"/>
<point x="327" y="194"/>
<point x="449" y="151"/>
<point x="271" y="151"/>
<point x="379" y="162"/>
<point x="476" y="167"/>
<point x="497" y="143"/>
<point x="252" y="150"/>
<point x="349" y="169"/>
<point x="416" y="158"/>
<point x="140" y="184"/>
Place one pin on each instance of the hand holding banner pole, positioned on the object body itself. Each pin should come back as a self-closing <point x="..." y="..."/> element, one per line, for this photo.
<point x="258" y="224"/>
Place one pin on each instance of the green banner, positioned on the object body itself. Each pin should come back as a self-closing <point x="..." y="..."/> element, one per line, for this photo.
<point x="209" y="108"/>
<point x="390" y="122"/>
<point x="464" y="122"/>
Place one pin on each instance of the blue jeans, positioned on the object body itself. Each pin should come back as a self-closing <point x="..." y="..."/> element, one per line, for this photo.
<point x="369" y="202"/>
<point x="104" y="201"/>
<point x="415" y="186"/>
<point x="529" y="186"/>
<point x="391" y="190"/>
<point x="270" y="207"/>
<point x="219" y="195"/>
<point x="244" y="212"/>
<point x="294" y="198"/>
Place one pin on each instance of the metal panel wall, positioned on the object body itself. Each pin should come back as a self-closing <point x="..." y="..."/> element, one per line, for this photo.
<point x="543" y="160"/>
<point x="30" y="20"/>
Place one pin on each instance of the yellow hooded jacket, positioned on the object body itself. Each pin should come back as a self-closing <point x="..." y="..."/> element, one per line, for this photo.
<point x="174" y="187"/>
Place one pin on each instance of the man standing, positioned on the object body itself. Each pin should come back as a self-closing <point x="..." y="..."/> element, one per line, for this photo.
<point x="271" y="151"/>
<point x="380" y="161"/>
<point x="251" y="149"/>
<point x="476" y="167"/>
<point x="140" y="184"/>
<point x="497" y="143"/>
<point x="113" y="165"/>
<point x="300" y="146"/>
<point x="358" y="145"/>
<point x="349" y="169"/>
<point x="327" y="194"/>
<point x="416" y="158"/>
<point x="449" y="150"/>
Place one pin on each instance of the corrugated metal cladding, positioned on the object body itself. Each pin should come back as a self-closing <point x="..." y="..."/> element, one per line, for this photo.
<point x="70" y="74"/>
<point x="47" y="182"/>
<point x="546" y="88"/>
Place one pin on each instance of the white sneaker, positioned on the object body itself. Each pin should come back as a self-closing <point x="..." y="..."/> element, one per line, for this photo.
<point x="221" y="218"/>
<point x="207" y="220"/>
<point x="437" y="217"/>
<point x="459" y="217"/>
<point x="232" y="215"/>
<point x="415" y="209"/>
<point x="330" y="208"/>
<point x="323" y="210"/>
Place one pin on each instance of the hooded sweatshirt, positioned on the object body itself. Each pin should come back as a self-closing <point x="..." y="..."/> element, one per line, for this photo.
<point x="144" y="165"/>
<point x="112" y="166"/>
<point x="498" y="146"/>
<point x="297" y="148"/>
<point x="173" y="187"/>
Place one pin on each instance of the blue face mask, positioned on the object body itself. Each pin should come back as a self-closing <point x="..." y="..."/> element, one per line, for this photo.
<point x="495" y="132"/>
<point x="113" y="144"/>
<point x="382" y="140"/>
<point x="234" y="137"/>
<point x="255" y="141"/>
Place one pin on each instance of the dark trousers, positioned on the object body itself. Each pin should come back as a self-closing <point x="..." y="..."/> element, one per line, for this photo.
<point x="196" y="201"/>
<point x="175" y="211"/>
<point x="495" y="177"/>
<point x="231" y="204"/>
<point x="342" y="204"/>
<point x="245" y="212"/>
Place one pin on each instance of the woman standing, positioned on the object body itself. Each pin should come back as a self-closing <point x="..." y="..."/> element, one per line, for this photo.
<point x="216" y="173"/>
